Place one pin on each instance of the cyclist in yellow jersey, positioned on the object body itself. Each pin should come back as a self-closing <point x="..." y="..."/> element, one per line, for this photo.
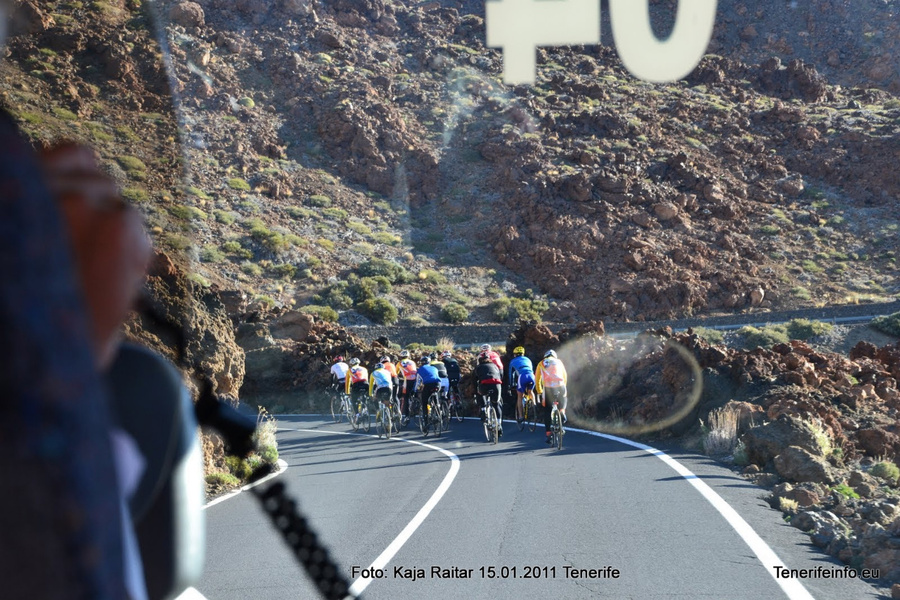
<point x="550" y="382"/>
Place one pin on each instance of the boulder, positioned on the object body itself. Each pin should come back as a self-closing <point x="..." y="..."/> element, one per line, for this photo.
<point x="187" y="14"/>
<point x="797" y="464"/>
<point x="768" y="441"/>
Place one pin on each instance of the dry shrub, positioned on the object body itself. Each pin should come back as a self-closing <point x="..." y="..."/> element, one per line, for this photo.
<point x="721" y="437"/>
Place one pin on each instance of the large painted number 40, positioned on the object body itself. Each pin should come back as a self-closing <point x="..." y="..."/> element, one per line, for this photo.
<point x="518" y="27"/>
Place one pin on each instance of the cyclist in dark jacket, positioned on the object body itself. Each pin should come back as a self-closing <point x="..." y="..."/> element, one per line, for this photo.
<point x="453" y="374"/>
<point x="489" y="381"/>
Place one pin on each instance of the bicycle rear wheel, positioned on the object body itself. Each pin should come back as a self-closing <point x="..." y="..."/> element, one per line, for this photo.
<point x="365" y="419"/>
<point x="531" y="415"/>
<point x="336" y="408"/>
<point x="457" y="405"/>
<point x="379" y="423"/>
<point x="556" y="425"/>
<point x="490" y="424"/>
<point x="445" y="415"/>
<point x="353" y="418"/>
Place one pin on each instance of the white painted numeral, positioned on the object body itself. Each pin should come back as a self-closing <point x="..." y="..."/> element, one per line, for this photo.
<point x="520" y="26"/>
<point x="650" y="59"/>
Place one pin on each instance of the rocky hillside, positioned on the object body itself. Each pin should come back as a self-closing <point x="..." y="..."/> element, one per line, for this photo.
<point x="363" y="159"/>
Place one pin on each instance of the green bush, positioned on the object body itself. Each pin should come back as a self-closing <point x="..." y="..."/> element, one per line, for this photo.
<point x="134" y="167"/>
<point x="887" y="471"/>
<point x="367" y="288"/>
<point x="379" y="266"/>
<point x="712" y="336"/>
<point x="231" y="247"/>
<point x="320" y="201"/>
<point x="335" y="296"/>
<point x="379" y="310"/>
<point x="765" y="337"/>
<point x="187" y="213"/>
<point x="512" y="309"/>
<point x="224" y="217"/>
<point x="211" y="254"/>
<point x="136" y="195"/>
<point x="250" y="268"/>
<point x="236" y="183"/>
<point x="247" y="102"/>
<point x="454" y="313"/>
<point x="889" y="324"/>
<point x="431" y="276"/>
<point x="284" y="270"/>
<point x="804" y="329"/>
<point x="338" y="214"/>
<point x="326" y="313"/>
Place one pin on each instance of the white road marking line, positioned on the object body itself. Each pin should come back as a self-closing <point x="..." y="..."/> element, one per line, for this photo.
<point x="281" y="468"/>
<point x="792" y="587"/>
<point x="361" y="583"/>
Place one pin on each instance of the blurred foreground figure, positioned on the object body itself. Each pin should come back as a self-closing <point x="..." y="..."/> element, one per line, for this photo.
<point x="72" y="258"/>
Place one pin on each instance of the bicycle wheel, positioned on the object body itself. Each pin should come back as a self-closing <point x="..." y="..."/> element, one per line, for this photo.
<point x="445" y="415"/>
<point x="490" y="427"/>
<point x="379" y="422"/>
<point x="521" y="421"/>
<point x="365" y="419"/>
<point x="336" y="413"/>
<point x="531" y="415"/>
<point x="556" y="425"/>
<point x="457" y="405"/>
<point x="353" y="417"/>
<point x="396" y="417"/>
<point x="437" y="417"/>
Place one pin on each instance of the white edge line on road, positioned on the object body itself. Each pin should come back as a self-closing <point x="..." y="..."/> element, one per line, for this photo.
<point x="792" y="587"/>
<point x="281" y="467"/>
<point x="361" y="583"/>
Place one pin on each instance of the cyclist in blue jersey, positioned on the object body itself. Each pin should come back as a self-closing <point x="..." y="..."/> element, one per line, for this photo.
<point x="521" y="377"/>
<point x="428" y="381"/>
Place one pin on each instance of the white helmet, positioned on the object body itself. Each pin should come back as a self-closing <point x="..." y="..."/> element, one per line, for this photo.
<point x="485" y="347"/>
<point x="550" y="354"/>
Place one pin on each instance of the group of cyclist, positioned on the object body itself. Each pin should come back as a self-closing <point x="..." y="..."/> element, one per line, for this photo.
<point x="411" y="380"/>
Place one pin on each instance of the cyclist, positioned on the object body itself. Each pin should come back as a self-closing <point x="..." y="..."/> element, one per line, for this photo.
<point x="427" y="380"/>
<point x="381" y="384"/>
<point x="392" y="369"/>
<point x="408" y="370"/>
<point x="339" y="374"/>
<point x="453" y="374"/>
<point x="357" y="381"/>
<point x="489" y="381"/>
<point x="493" y="356"/>
<point x="550" y="380"/>
<point x="521" y="377"/>
<point x="442" y="374"/>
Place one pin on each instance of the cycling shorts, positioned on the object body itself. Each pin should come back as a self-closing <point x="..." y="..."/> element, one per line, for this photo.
<point x="526" y="382"/>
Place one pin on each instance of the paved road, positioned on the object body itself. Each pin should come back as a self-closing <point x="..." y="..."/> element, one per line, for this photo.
<point x="525" y="510"/>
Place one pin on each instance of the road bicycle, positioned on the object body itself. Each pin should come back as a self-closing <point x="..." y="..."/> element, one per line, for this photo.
<point x="456" y="408"/>
<point x="556" y="427"/>
<point x="491" y="419"/>
<point x="430" y="416"/>
<point x="529" y="412"/>
<point x="340" y="406"/>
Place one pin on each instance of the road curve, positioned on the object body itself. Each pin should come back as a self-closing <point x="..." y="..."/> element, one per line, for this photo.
<point x="518" y="520"/>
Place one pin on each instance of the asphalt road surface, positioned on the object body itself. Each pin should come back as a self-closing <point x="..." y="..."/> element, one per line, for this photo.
<point x="460" y="518"/>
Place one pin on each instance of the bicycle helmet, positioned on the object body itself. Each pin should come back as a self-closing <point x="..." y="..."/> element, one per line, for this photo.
<point x="550" y="354"/>
<point x="377" y="366"/>
<point x="485" y="347"/>
<point x="354" y="362"/>
<point x="519" y="351"/>
<point x="384" y="359"/>
<point x="446" y="354"/>
<point x="338" y="359"/>
<point x="404" y="354"/>
<point x="424" y="360"/>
